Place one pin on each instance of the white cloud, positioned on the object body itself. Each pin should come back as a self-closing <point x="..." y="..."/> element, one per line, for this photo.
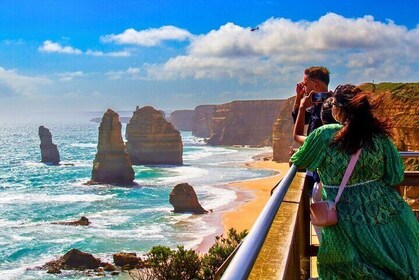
<point x="124" y="53"/>
<point x="352" y="45"/>
<point x="131" y="73"/>
<point x="149" y="37"/>
<point x="13" y="42"/>
<point x="20" y="84"/>
<point x="52" y="47"/>
<point x="68" y="76"/>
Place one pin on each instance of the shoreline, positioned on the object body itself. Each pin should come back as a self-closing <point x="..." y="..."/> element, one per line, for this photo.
<point x="251" y="198"/>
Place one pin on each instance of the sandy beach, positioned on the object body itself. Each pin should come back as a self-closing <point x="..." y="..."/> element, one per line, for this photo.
<point x="244" y="216"/>
<point x="252" y="196"/>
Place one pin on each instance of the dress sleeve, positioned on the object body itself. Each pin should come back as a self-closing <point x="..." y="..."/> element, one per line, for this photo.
<point x="393" y="164"/>
<point x="312" y="152"/>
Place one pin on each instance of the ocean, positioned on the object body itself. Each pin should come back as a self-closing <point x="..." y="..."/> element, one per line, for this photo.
<point x="33" y="195"/>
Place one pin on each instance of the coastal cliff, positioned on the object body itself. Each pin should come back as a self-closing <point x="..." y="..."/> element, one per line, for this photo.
<point x="244" y="122"/>
<point x="202" y="120"/>
<point x="112" y="164"/>
<point x="282" y="139"/>
<point x="182" y="120"/>
<point x="151" y="139"/>
<point x="400" y="103"/>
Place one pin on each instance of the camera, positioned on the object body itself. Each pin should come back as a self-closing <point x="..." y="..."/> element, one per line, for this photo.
<point x="319" y="97"/>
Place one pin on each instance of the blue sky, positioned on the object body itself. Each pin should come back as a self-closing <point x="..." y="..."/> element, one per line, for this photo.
<point x="92" y="55"/>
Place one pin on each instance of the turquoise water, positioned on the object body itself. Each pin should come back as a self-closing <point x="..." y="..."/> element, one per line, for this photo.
<point x="33" y="195"/>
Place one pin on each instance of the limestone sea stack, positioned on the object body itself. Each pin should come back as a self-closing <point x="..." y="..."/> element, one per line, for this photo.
<point x="153" y="140"/>
<point x="112" y="165"/>
<point x="49" y="151"/>
<point x="184" y="200"/>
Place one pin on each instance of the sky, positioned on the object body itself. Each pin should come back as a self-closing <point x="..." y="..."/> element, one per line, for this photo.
<point x="90" y="55"/>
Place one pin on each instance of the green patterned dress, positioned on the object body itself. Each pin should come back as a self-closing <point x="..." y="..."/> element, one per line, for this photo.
<point x="377" y="235"/>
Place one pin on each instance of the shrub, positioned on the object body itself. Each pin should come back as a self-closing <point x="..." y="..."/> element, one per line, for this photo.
<point x="220" y="251"/>
<point x="165" y="264"/>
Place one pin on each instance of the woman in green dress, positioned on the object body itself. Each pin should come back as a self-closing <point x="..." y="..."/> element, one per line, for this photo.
<point x="377" y="234"/>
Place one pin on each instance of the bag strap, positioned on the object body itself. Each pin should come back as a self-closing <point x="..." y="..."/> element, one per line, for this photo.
<point x="348" y="173"/>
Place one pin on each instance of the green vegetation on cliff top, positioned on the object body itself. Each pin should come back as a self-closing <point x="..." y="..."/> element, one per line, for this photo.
<point x="400" y="91"/>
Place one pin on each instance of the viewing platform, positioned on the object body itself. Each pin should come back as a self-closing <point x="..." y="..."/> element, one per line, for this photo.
<point x="282" y="243"/>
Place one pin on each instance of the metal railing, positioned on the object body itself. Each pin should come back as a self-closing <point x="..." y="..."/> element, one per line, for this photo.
<point x="409" y="154"/>
<point x="243" y="261"/>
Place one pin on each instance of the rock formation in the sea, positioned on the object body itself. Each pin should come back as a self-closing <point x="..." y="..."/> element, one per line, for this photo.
<point x="182" y="120"/>
<point x="112" y="165"/>
<point x="73" y="259"/>
<point x="184" y="200"/>
<point x="244" y="122"/>
<point x="49" y="151"/>
<point x="202" y="120"/>
<point x="127" y="260"/>
<point x="83" y="221"/>
<point x="282" y="139"/>
<point x="153" y="140"/>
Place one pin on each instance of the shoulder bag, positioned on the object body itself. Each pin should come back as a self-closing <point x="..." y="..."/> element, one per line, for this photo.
<point x="324" y="213"/>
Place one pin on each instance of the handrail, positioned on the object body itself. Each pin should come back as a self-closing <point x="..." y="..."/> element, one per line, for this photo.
<point x="225" y="264"/>
<point x="243" y="261"/>
<point x="274" y="188"/>
<point x="409" y="154"/>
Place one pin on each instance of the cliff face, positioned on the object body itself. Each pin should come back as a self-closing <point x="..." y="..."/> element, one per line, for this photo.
<point x="182" y="119"/>
<point x="244" y="122"/>
<point x="153" y="140"/>
<point x="282" y="139"/>
<point x="112" y="164"/>
<point x="400" y="104"/>
<point x="202" y="119"/>
<point x="49" y="151"/>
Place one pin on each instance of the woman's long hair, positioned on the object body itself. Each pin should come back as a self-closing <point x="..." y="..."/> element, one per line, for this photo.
<point x="360" y="125"/>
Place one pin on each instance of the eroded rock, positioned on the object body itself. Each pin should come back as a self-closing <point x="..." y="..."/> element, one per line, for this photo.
<point x="153" y="140"/>
<point x="49" y="151"/>
<point x="73" y="259"/>
<point x="83" y="221"/>
<point x="112" y="165"/>
<point x="126" y="260"/>
<point x="184" y="200"/>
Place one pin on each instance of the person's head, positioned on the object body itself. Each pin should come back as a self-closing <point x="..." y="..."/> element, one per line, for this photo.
<point x="316" y="78"/>
<point x="352" y="107"/>
<point x="326" y="111"/>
